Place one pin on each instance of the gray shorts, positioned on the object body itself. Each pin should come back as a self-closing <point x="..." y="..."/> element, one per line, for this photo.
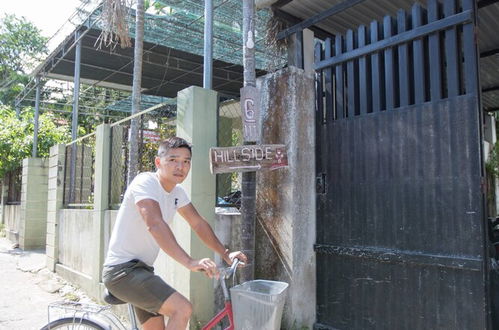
<point x="135" y="283"/>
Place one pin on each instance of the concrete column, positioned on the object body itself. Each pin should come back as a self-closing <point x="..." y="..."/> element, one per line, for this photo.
<point x="54" y="204"/>
<point x="3" y="192"/>
<point x="33" y="227"/>
<point x="286" y="210"/>
<point x="101" y="201"/>
<point x="196" y="122"/>
<point x="117" y="166"/>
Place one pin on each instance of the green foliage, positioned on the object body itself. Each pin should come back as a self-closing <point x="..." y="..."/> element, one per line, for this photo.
<point x="16" y="136"/>
<point x="492" y="164"/>
<point x="21" y="47"/>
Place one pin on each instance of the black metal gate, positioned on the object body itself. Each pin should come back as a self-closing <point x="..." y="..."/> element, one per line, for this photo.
<point x="401" y="224"/>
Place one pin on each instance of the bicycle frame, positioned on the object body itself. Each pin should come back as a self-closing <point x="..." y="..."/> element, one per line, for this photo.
<point x="227" y="310"/>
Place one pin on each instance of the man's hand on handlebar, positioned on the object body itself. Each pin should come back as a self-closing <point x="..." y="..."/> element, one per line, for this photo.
<point x="230" y="256"/>
<point x="205" y="265"/>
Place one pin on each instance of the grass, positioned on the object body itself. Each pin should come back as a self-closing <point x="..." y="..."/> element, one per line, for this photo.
<point x="71" y="297"/>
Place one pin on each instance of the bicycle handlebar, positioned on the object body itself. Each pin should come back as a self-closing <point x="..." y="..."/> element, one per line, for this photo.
<point x="232" y="269"/>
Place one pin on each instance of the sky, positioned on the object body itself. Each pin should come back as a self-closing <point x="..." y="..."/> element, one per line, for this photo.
<point x="47" y="15"/>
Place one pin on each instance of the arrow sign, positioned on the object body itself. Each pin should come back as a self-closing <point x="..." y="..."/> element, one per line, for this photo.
<point x="248" y="158"/>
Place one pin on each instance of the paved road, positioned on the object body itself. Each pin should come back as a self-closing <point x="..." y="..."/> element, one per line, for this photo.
<point x="25" y="287"/>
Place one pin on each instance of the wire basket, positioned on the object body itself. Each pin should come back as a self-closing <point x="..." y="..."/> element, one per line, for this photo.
<point x="258" y="304"/>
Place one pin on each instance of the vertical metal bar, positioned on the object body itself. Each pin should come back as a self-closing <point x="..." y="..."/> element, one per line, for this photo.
<point x="390" y="75"/>
<point x="352" y="78"/>
<point x="435" y="58"/>
<point x="74" y="122"/>
<point x="376" y="71"/>
<point x="451" y="52"/>
<point x="37" y="113"/>
<point x="208" y="45"/>
<point x="418" y="55"/>
<point x="340" y="83"/>
<point x="76" y="88"/>
<point x="403" y="62"/>
<point x="319" y="98"/>
<point x="364" y="74"/>
<point x="328" y="82"/>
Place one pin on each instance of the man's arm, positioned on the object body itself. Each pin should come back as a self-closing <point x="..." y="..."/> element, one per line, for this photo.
<point x="151" y="213"/>
<point x="206" y="234"/>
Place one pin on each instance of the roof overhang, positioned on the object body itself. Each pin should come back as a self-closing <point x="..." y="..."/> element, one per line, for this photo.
<point x="165" y="70"/>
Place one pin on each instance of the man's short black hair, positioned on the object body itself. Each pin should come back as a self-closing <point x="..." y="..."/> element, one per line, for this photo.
<point x="172" y="143"/>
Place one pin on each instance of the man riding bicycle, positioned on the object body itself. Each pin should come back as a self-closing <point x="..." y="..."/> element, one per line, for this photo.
<point x="141" y="229"/>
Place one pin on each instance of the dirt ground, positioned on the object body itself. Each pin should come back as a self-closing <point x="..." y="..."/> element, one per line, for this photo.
<point x="27" y="288"/>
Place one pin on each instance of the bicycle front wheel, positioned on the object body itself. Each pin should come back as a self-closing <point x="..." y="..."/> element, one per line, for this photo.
<point x="73" y="323"/>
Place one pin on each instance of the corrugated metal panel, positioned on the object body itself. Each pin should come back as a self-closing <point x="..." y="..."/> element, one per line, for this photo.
<point x="488" y="40"/>
<point x="488" y="25"/>
<point x="400" y="236"/>
<point x="360" y="14"/>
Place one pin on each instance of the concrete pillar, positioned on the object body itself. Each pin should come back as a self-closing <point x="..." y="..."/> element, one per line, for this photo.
<point x="196" y="122"/>
<point x="33" y="227"/>
<point x="285" y="229"/>
<point x="101" y="201"/>
<point x="3" y="193"/>
<point x="55" y="201"/>
<point x="117" y="166"/>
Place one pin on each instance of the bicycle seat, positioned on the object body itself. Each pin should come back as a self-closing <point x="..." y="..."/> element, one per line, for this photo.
<point x="112" y="300"/>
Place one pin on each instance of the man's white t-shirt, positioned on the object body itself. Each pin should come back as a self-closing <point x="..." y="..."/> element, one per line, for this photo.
<point x="130" y="238"/>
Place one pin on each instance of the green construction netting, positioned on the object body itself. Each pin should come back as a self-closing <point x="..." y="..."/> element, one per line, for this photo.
<point x="180" y="25"/>
<point x="146" y="102"/>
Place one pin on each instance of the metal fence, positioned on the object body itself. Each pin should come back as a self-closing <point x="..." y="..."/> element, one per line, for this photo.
<point x="13" y="181"/>
<point x="79" y="173"/>
<point x="155" y="125"/>
<point x="229" y="134"/>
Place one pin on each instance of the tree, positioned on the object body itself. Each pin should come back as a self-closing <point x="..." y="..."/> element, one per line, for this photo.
<point x="21" y="47"/>
<point x="133" y="147"/>
<point x="16" y="136"/>
<point x="116" y="30"/>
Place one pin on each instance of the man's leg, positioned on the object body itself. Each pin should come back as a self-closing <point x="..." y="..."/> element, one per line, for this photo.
<point x="178" y="310"/>
<point x="154" y="323"/>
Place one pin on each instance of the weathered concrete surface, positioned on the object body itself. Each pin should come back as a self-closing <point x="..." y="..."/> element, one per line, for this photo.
<point x="33" y="225"/>
<point x="27" y="288"/>
<point x="285" y="229"/>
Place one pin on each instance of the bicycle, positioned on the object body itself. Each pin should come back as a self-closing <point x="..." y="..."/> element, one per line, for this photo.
<point x="73" y="315"/>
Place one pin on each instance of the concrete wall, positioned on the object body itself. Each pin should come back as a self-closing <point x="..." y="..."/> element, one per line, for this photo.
<point x="12" y="219"/>
<point x="285" y="230"/>
<point x="3" y="197"/>
<point x="76" y="240"/>
<point x="34" y="191"/>
<point x="54" y="203"/>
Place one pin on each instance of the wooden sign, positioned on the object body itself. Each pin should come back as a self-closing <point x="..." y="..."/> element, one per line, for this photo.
<point x="250" y="108"/>
<point x="248" y="158"/>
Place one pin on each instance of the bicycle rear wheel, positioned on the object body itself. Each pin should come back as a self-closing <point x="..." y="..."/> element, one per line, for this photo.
<point x="73" y="323"/>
